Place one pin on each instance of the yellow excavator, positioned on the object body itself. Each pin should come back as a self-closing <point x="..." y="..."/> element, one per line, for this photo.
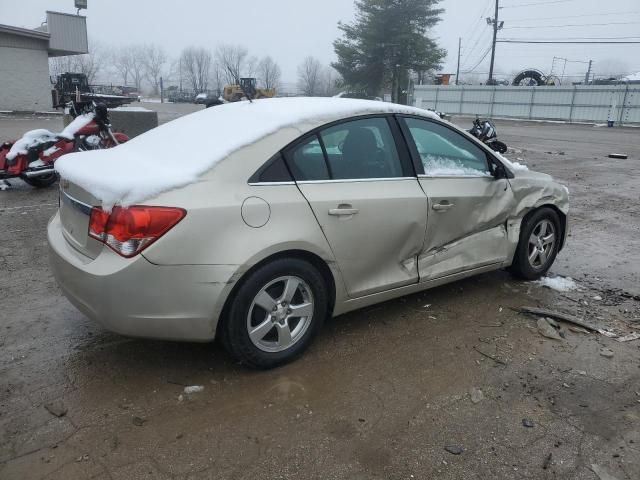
<point x="246" y="88"/>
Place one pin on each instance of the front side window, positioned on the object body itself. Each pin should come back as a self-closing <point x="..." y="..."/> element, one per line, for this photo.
<point x="361" y="149"/>
<point x="444" y="152"/>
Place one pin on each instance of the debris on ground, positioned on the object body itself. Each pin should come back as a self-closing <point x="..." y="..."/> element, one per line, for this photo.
<point x="193" y="389"/>
<point x="559" y="284"/>
<point x="527" y="423"/>
<point x="488" y="355"/>
<point x="138" y="422"/>
<point x="606" y="352"/>
<point x="629" y="338"/>
<point x="547" y="461"/>
<point x="56" y="408"/>
<point x="578" y="330"/>
<point x="476" y="395"/>
<point x="601" y="473"/>
<point x="454" y="449"/>
<point x="619" y="156"/>
<point x="562" y="316"/>
<point x="546" y="329"/>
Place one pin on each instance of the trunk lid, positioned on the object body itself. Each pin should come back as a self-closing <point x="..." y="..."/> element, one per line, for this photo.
<point x="75" y="210"/>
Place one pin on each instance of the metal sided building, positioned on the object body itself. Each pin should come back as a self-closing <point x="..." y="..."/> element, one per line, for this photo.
<point x="24" y="59"/>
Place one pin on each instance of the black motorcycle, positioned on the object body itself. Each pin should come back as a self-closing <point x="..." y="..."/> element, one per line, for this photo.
<point x="485" y="131"/>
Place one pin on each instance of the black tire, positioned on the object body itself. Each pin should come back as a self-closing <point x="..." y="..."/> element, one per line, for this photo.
<point x="236" y="324"/>
<point x="522" y="266"/>
<point x="42" y="181"/>
<point x="532" y="77"/>
<point x="499" y="146"/>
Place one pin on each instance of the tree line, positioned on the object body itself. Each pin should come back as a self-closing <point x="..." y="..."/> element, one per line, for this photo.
<point x="196" y="69"/>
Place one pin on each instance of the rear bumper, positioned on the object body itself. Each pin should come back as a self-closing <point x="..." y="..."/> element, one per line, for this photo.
<point x="134" y="297"/>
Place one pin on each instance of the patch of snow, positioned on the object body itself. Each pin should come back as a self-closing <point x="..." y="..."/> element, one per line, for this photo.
<point x="193" y="389"/>
<point x="3" y="186"/>
<point x="37" y="163"/>
<point x="445" y="167"/>
<point x="78" y="124"/>
<point x="50" y="151"/>
<point x="201" y="96"/>
<point x="559" y="284"/>
<point x="29" y="140"/>
<point x="130" y="109"/>
<point x="513" y="166"/>
<point x="177" y="153"/>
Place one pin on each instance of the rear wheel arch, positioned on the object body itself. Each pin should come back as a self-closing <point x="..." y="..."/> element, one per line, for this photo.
<point x="311" y="258"/>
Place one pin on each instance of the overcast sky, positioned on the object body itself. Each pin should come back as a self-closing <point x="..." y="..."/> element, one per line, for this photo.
<point x="289" y="30"/>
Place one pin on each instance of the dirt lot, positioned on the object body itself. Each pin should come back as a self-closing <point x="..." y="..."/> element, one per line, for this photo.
<point x="389" y="392"/>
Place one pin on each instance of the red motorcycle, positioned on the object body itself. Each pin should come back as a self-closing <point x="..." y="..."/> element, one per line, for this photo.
<point x="32" y="157"/>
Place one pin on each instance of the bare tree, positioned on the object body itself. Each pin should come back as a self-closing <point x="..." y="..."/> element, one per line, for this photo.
<point x="232" y="59"/>
<point x="89" y="64"/>
<point x="121" y="61"/>
<point x="136" y="53"/>
<point x="269" y="73"/>
<point x="217" y="78"/>
<point x="196" y="64"/>
<point x="309" y="77"/>
<point x="329" y="82"/>
<point x="153" y="63"/>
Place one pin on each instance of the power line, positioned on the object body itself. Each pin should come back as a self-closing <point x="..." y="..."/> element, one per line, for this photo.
<point x="480" y="19"/>
<point x="480" y="61"/>
<point x="572" y="25"/>
<point x="579" y="38"/>
<point x="468" y="54"/>
<point x="573" y="42"/>
<point x="537" y="3"/>
<point x="574" y="16"/>
<point x="467" y="57"/>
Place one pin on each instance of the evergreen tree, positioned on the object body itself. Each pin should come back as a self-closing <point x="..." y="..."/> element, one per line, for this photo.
<point x="387" y="41"/>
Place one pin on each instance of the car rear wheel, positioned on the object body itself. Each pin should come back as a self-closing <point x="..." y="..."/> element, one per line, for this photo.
<point x="539" y="244"/>
<point x="275" y="313"/>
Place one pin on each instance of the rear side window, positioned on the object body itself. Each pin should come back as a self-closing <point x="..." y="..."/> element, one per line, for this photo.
<point x="307" y="161"/>
<point x="362" y="149"/>
<point x="444" y="152"/>
<point x="275" y="170"/>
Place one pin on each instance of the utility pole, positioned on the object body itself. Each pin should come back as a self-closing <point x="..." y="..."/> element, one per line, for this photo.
<point x="497" y="25"/>
<point x="586" y="78"/>
<point x="459" y="50"/>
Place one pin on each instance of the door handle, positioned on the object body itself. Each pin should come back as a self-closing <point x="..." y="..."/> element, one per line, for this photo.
<point x="343" y="211"/>
<point x="443" y="207"/>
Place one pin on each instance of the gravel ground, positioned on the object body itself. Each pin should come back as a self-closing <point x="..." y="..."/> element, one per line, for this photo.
<point x="388" y="392"/>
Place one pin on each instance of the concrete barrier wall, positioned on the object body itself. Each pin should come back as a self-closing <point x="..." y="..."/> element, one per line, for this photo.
<point x="598" y="104"/>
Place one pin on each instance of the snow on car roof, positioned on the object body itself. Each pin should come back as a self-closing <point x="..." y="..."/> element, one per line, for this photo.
<point x="177" y="153"/>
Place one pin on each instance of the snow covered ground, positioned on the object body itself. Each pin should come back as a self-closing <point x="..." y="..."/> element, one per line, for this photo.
<point x="559" y="284"/>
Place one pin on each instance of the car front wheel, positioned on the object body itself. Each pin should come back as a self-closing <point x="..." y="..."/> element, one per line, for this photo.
<point x="539" y="244"/>
<point x="275" y="313"/>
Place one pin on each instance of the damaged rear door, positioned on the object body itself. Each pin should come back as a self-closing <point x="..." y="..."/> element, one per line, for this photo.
<point x="358" y="179"/>
<point x="468" y="206"/>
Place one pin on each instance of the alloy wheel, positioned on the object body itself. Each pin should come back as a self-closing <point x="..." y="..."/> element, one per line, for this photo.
<point x="542" y="242"/>
<point x="280" y="314"/>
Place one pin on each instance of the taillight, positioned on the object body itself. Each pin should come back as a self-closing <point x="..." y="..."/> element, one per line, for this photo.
<point x="128" y="231"/>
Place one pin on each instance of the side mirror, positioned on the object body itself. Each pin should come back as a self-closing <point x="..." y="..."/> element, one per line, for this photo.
<point x="500" y="172"/>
